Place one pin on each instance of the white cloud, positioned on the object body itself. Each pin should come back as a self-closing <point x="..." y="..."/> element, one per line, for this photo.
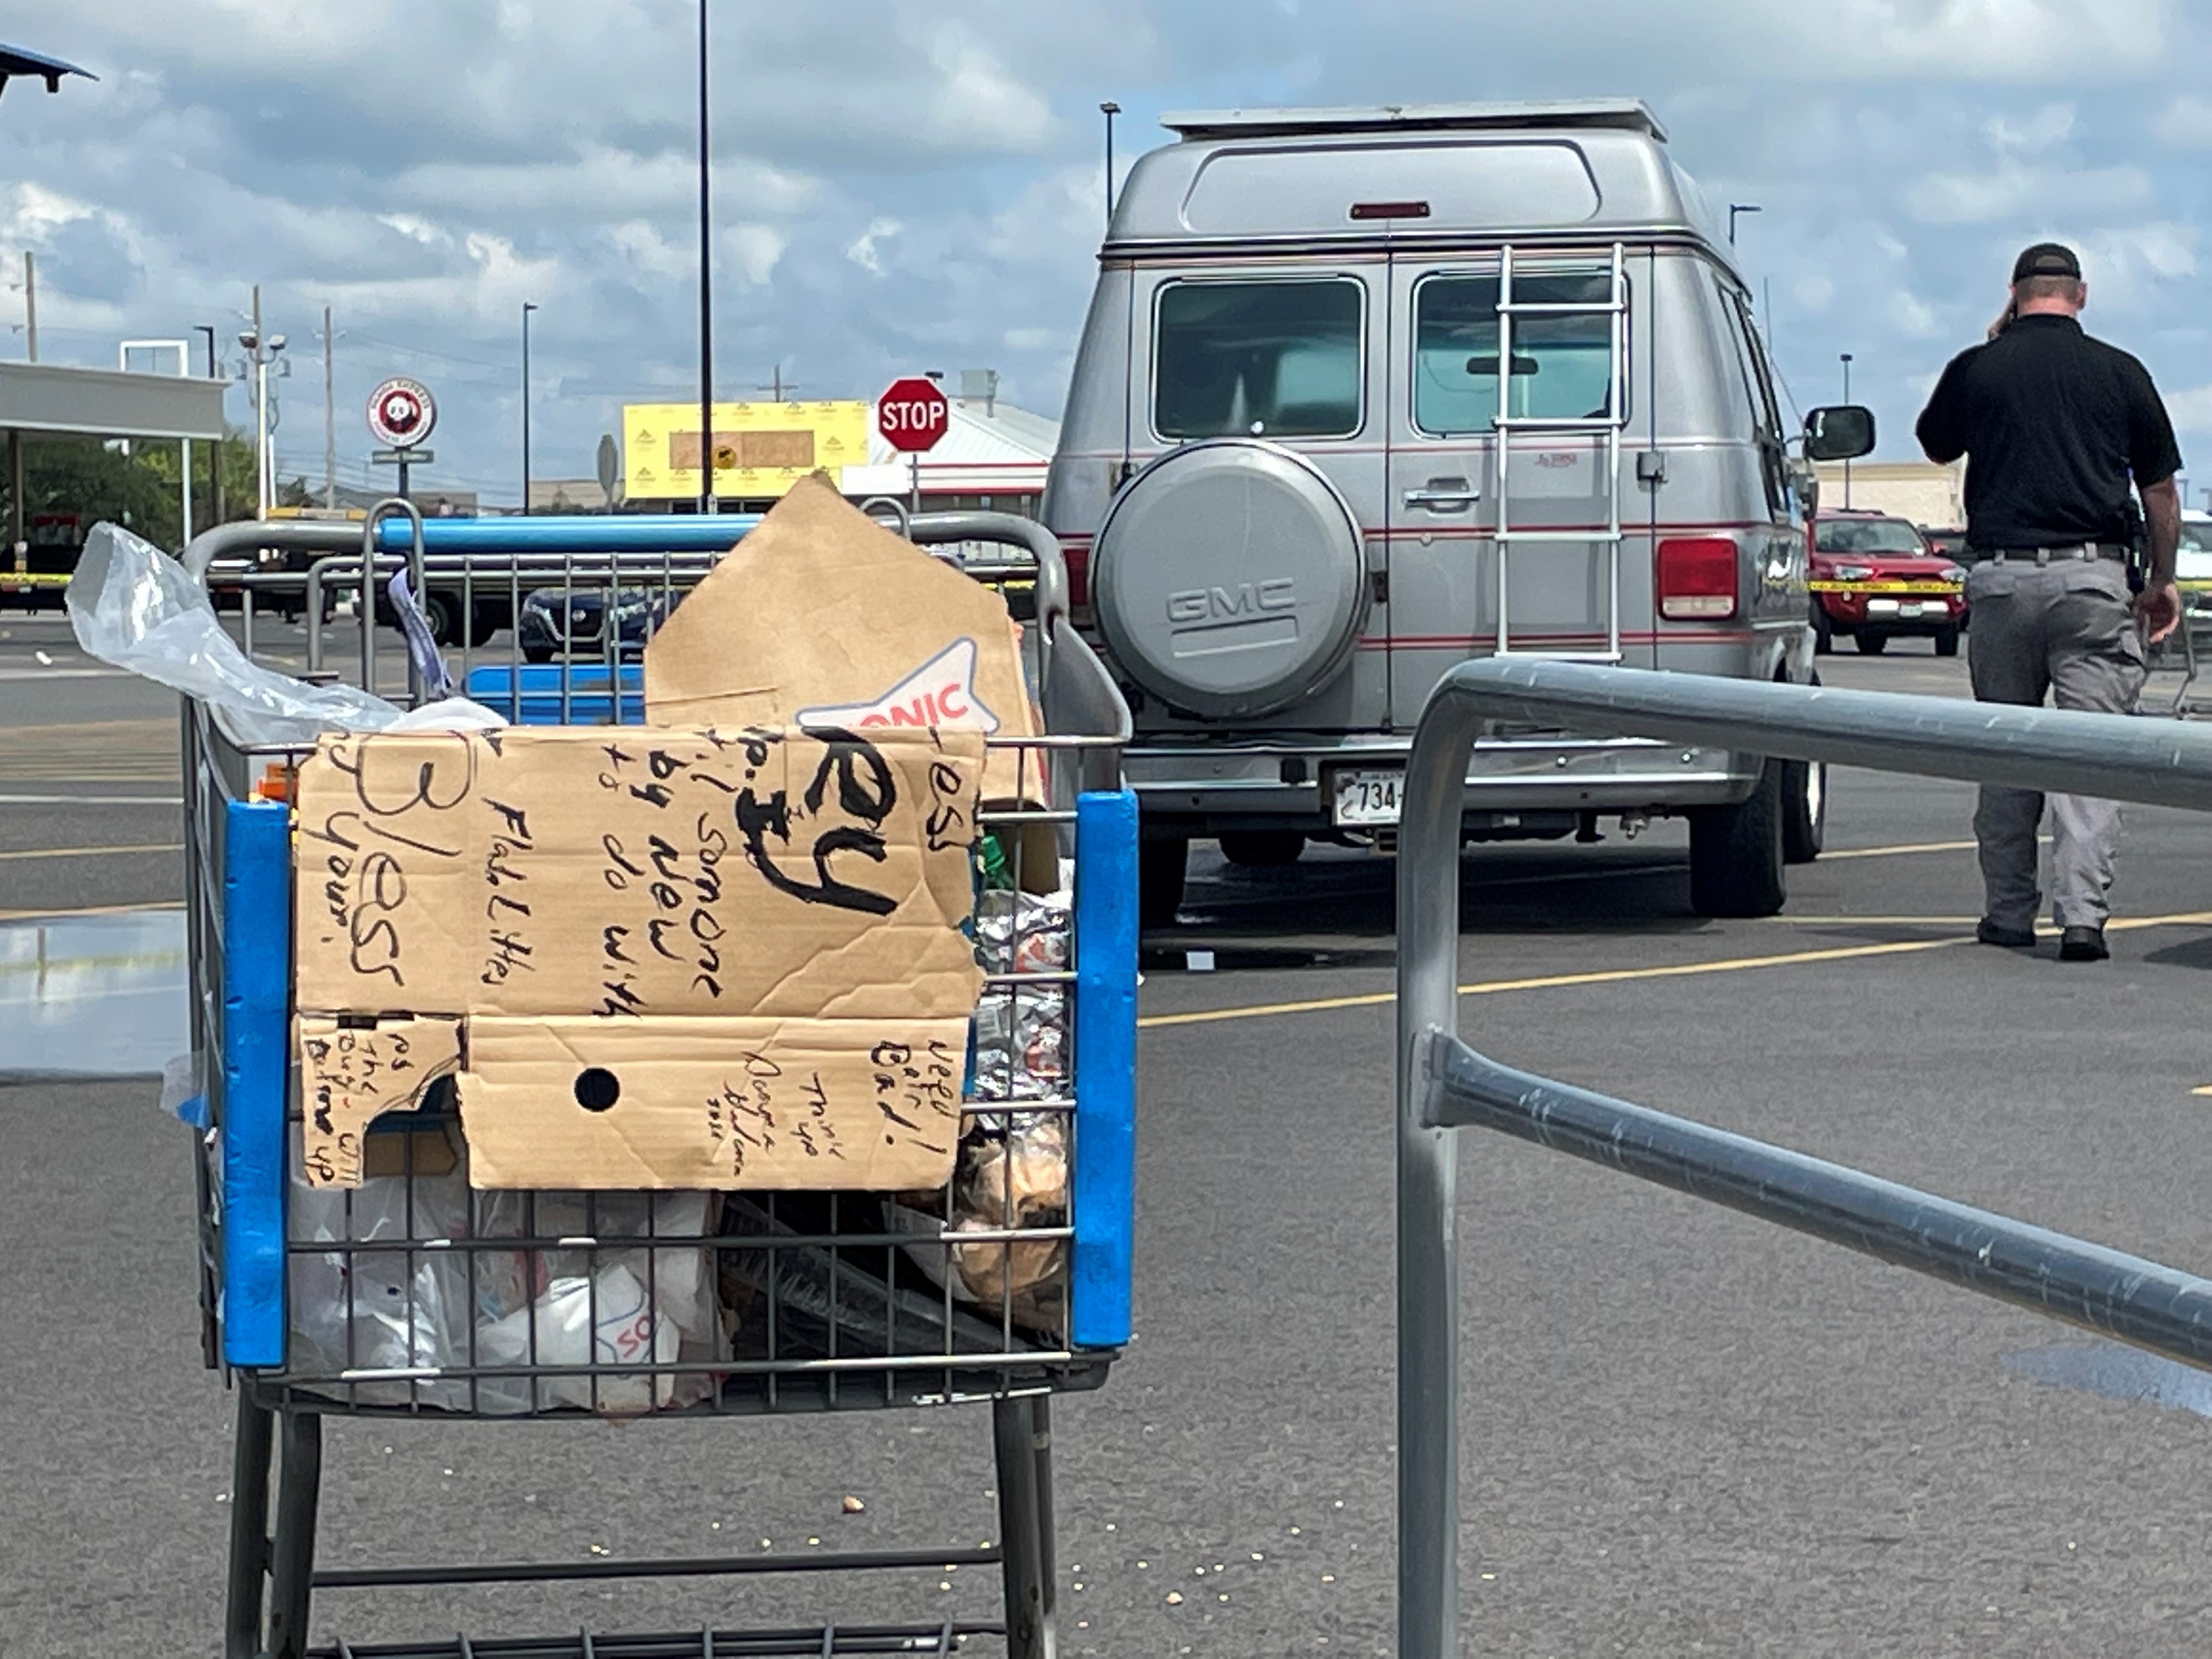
<point x="1997" y="39"/>
<point x="864" y="251"/>
<point x="757" y="250"/>
<point x="2012" y="189"/>
<point x="2190" y="411"/>
<point x="2127" y="268"/>
<point x="1910" y="315"/>
<point x="2187" y="123"/>
<point x="2051" y="125"/>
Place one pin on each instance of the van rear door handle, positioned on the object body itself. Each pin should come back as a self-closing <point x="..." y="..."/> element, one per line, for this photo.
<point x="1444" y="495"/>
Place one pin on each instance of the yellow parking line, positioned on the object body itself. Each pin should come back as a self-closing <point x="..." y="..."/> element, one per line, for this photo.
<point x="1893" y="852"/>
<point x="90" y="852"/>
<point x="1621" y="976"/>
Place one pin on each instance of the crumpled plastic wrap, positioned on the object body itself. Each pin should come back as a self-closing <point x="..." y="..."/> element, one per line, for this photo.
<point x="397" y="1310"/>
<point x="1021" y="1031"/>
<point x="133" y="605"/>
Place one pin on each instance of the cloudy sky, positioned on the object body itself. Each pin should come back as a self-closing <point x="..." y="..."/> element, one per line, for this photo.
<point x="916" y="184"/>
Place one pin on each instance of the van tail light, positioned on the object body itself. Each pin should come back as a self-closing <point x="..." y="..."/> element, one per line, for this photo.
<point x="1078" y="560"/>
<point x="1698" y="578"/>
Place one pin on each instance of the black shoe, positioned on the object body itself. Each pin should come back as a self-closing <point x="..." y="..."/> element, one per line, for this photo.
<point x="2083" y="944"/>
<point x="2012" y="938"/>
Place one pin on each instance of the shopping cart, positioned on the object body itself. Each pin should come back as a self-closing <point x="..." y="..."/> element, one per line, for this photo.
<point x="373" y="1301"/>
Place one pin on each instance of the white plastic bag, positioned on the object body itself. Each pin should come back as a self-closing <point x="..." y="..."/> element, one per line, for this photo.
<point x="132" y="605"/>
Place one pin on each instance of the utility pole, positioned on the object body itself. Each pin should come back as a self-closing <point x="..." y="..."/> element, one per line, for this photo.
<point x="31" y="302"/>
<point x="1109" y="109"/>
<point x="776" y="386"/>
<point x="330" y="419"/>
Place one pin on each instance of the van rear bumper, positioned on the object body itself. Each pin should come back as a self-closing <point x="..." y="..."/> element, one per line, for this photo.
<point x="1200" y="790"/>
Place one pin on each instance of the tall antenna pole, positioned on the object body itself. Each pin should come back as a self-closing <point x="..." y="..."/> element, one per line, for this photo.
<point x="31" y="303"/>
<point x="706" y="503"/>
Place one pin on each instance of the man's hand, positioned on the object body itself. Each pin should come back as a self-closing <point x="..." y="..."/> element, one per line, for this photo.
<point x="2158" y="607"/>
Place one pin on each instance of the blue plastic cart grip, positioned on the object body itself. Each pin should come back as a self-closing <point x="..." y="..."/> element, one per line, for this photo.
<point x="256" y="997"/>
<point x="1105" y="1187"/>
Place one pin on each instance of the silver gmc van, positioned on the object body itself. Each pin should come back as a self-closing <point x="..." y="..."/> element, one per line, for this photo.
<point x="1364" y="393"/>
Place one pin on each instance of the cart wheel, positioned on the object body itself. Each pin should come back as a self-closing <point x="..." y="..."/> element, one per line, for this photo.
<point x="1947" y="642"/>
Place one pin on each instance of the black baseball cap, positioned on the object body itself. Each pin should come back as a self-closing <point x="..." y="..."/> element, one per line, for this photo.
<point x="2046" y="260"/>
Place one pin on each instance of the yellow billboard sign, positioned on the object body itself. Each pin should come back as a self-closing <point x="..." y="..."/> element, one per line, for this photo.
<point x="761" y="450"/>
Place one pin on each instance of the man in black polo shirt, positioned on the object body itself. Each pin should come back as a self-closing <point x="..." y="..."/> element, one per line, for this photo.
<point x="2056" y="427"/>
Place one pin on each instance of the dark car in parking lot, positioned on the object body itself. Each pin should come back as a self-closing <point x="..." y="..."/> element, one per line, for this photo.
<point x="1874" y="579"/>
<point x="559" y="622"/>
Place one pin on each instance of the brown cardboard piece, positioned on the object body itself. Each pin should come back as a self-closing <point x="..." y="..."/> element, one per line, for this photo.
<point x="821" y="618"/>
<point x="578" y="900"/>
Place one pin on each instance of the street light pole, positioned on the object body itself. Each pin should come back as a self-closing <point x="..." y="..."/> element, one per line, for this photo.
<point x="214" y="449"/>
<point x="1735" y="208"/>
<point x="706" y="503"/>
<point x="1847" y="397"/>
<point x="1109" y="109"/>
<point x="261" y="351"/>
<point x="527" y="308"/>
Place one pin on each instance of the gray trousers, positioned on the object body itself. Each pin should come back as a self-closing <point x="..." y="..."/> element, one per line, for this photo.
<point x="2065" y="628"/>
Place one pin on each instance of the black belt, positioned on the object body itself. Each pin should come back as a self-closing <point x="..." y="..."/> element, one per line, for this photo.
<point x="2048" y="555"/>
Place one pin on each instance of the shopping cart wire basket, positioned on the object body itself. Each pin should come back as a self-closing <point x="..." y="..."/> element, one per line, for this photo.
<point x="413" y="1295"/>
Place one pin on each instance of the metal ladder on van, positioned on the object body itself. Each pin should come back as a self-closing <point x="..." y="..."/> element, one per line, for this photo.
<point x="1610" y="426"/>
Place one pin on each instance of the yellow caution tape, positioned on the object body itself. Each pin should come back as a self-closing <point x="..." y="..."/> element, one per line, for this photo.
<point x="1883" y="588"/>
<point x="12" y="581"/>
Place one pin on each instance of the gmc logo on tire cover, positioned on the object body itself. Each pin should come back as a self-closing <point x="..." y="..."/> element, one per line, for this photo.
<point x="1203" y="604"/>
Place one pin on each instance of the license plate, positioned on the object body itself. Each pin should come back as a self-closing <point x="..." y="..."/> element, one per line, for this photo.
<point x="1369" y="797"/>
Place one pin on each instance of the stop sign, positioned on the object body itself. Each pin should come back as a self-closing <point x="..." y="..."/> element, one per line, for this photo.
<point x="913" y="415"/>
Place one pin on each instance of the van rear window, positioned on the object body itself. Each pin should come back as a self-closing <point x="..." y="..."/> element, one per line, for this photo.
<point x="1276" y="359"/>
<point x="1562" y="366"/>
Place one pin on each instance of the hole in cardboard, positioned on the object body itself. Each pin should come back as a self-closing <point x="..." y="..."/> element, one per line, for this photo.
<point x="596" y="1089"/>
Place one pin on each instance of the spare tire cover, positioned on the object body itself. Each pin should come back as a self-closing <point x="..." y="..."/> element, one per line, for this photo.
<point x="1228" y="580"/>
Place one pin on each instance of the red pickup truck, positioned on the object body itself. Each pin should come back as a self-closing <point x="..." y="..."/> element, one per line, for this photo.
<point x="1874" y="579"/>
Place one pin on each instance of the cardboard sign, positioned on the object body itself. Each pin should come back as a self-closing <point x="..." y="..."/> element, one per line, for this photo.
<point x="350" y="1075"/>
<point x="821" y="617"/>
<point x="618" y="890"/>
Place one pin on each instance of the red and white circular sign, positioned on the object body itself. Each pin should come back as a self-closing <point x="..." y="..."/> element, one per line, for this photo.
<point x="913" y="415"/>
<point x="401" y="413"/>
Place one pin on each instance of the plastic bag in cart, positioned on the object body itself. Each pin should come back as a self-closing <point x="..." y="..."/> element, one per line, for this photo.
<point x="430" y="1311"/>
<point x="133" y="605"/>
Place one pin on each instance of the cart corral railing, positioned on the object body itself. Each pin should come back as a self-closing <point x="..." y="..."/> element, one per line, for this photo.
<point x="1444" y="1085"/>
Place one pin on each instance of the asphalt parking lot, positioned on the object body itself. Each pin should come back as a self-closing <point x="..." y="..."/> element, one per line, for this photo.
<point x="1682" y="1433"/>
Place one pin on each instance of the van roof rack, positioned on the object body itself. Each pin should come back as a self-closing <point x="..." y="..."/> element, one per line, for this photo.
<point x="1628" y="114"/>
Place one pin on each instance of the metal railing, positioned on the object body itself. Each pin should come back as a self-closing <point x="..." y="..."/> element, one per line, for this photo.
<point x="1444" y="1085"/>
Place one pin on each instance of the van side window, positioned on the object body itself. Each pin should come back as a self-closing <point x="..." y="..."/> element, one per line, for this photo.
<point x="1267" y="359"/>
<point x="1562" y="366"/>
<point x="1758" y="386"/>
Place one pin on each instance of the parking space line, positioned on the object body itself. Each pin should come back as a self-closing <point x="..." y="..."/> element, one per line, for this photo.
<point x="92" y="800"/>
<point x="90" y="852"/>
<point x="1895" y="852"/>
<point x="1622" y="975"/>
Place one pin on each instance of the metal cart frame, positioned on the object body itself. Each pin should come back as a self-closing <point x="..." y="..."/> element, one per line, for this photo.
<point x="239" y="906"/>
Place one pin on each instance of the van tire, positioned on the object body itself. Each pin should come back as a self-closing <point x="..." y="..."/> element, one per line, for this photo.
<point x="1736" y="853"/>
<point x="1824" y="631"/>
<point x="1871" y="644"/>
<point x="1162" y="863"/>
<point x="1804" y="810"/>
<point x="1262" y="849"/>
